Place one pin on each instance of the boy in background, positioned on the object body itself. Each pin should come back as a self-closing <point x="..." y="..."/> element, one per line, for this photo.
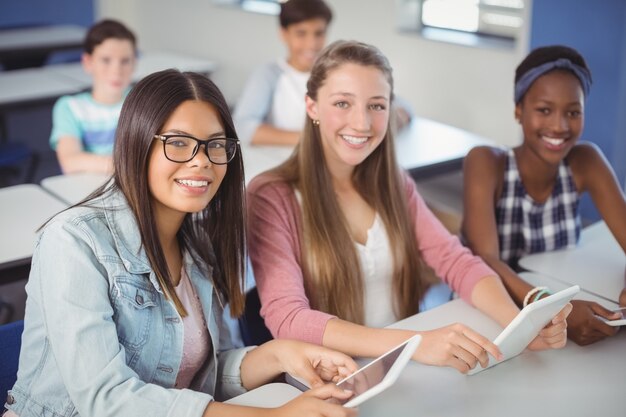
<point x="271" y="108"/>
<point x="83" y="125"/>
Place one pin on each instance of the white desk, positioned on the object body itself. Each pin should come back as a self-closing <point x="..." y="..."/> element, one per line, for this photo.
<point x="267" y="396"/>
<point x="147" y="63"/>
<point x="537" y="280"/>
<point x="427" y="148"/>
<point x="597" y="264"/>
<point x="74" y="187"/>
<point x="23" y="209"/>
<point x="574" y="381"/>
<point x="31" y="85"/>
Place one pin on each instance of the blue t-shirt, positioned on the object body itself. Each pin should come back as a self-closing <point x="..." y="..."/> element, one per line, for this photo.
<point x="80" y="116"/>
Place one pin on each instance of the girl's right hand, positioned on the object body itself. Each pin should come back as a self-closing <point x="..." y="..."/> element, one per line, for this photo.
<point x="318" y="402"/>
<point x="456" y="346"/>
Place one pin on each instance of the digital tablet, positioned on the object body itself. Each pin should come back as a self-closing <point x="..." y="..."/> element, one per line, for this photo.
<point x="375" y="377"/>
<point x="616" y="322"/>
<point x="379" y="374"/>
<point x="527" y="325"/>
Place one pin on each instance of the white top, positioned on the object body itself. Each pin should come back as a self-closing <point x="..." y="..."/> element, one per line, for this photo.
<point x="288" y="108"/>
<point x="376" y="261"/>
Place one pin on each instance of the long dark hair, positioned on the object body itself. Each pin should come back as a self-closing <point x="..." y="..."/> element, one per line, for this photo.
<point x="331" y="268"/>
<point x="213" y="236"/>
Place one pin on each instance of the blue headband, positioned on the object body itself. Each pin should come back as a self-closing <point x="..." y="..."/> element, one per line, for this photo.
<point x="530" y="76"/>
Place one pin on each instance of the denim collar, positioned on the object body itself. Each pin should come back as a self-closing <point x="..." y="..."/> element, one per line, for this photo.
<point x="125" y="232"/>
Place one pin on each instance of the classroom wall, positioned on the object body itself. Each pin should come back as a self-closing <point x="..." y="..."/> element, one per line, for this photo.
<point x="465" y="87"/>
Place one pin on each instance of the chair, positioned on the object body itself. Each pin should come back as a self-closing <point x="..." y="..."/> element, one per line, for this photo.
<point x="251" y="324"/>
<point x="12" y="155"/>
<point x="10" y="343"/>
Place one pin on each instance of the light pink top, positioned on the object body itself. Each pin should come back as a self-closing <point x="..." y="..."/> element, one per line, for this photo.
<point x="274" y="245"/>
<point x="197" y="344"/>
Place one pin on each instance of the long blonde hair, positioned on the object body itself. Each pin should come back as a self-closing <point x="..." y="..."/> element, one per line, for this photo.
<point x="332" y="275"/>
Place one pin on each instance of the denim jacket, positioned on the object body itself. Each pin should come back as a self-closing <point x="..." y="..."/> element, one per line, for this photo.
<point x="100" y="338"/>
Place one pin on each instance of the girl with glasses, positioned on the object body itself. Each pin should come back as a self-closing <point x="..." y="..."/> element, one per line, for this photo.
<point x="338" y="233"/>
<point x="127" y="289"/>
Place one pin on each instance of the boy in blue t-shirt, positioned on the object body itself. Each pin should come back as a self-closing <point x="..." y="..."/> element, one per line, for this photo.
<point x="83" y="125"/>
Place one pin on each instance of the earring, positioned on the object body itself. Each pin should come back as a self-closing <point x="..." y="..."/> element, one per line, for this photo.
<point x="316" y="122"/>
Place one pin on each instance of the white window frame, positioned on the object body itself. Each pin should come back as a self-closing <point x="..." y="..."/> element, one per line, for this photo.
<point x="271" y="7"/>
<point x="488" y="34"/>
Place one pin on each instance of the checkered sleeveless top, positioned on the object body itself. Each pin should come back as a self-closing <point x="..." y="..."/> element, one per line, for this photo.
<point x="525" y="226"/>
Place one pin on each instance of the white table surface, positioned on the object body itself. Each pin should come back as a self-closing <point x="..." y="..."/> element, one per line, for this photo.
<point x="23" y="209"/>
<point x="147" y="63"/>
<point x="34" y="84"/>
<point x="597" y="264"/>
<point x="426" y="147"/>
<point x="42" y="37"/>
<point x="73" y="188"/>
<point x="267" y="396"/>
<point x="574" y="381"/>
<point x="537" y="280"/>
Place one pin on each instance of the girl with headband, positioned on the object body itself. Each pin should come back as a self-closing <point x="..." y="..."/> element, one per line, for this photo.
<point x="526" y="199"/>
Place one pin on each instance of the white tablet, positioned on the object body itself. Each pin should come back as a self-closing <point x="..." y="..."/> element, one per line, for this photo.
<point x="527" y="325"/>
<point x="375" y="377"/>
<point x="379" y="374"/>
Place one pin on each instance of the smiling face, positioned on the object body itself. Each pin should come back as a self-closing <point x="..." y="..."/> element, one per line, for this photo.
<point x="552" y="115"/>
<point x="304" y="42"/>
<point x="188" y="187"/>
<point x="111" y="65"/>
<point x="352" y="107"/>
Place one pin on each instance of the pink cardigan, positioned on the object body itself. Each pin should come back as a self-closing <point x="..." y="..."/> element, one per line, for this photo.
<point x="274" y="224"/>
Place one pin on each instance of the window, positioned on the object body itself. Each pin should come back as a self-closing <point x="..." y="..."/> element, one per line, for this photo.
<point x="473" y="22"/>
<point x="257" y="6"/>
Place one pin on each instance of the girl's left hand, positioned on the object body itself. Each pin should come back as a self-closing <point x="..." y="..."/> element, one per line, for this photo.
<point x="315" y="364"/>
<point x="622" y="298"/>
<point x="554" y="335"/>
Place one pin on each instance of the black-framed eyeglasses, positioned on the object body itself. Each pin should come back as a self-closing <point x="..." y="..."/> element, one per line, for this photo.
<point x="183" y="148"/>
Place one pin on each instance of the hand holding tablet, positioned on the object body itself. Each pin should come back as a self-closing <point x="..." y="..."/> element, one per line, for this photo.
<point x="617" y="322"/>
<point x="379" y="374"/>
<point x="527" y="325"/>
<point x="373" y="378"/>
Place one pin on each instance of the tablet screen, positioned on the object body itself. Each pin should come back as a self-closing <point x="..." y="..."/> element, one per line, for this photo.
<point x="371" y="374"/>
